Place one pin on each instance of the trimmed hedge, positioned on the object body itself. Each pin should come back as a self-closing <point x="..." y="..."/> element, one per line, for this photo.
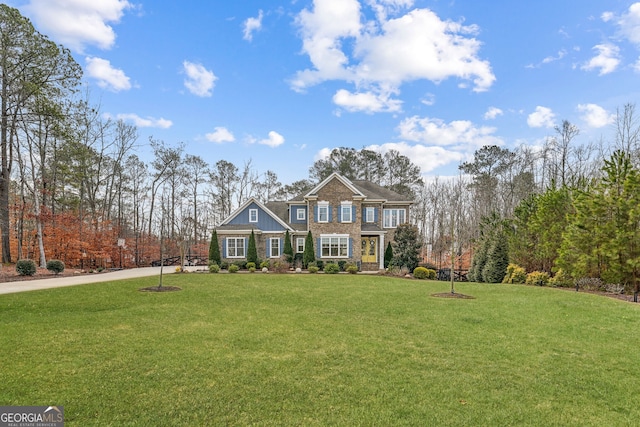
<point x="26" y="267"/>
<point x="55" y="266"/>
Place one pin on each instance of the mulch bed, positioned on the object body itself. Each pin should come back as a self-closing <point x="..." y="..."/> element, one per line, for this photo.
<point x="160" y="289"/>
<point x="452" y="295"/>
<point x="9" y="274"/>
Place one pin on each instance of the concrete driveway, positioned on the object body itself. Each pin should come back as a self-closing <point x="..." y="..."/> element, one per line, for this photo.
<point x="59" y="282"/>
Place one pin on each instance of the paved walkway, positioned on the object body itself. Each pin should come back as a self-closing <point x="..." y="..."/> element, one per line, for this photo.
<point x="59" y="282"/>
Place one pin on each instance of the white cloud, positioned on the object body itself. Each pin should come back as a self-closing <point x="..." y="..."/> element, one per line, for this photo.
<point x="607" y="59"/>
<point x="459" y="133"/>
<point x="383" y="55"/>
<point x="428" y="158"/>
<point x="219" y="135"/>
<point x="561" y="54"/>
<point x="274" y="140"/>
<point x="199" y="81"/>
<point x="108" y="77"/>
<point x="148" y="122"/>
<point x="252" y="25"/>
<point x="368" y="102"/>
<point x="542" y="117"/>
<point x="78" y="23"/>
<point x="492" y="113"/>
<point x="595" y="116"/>
<point x="628" y="23"/>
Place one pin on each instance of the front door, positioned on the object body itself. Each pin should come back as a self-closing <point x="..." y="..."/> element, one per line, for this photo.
<point x="369" y="249"/>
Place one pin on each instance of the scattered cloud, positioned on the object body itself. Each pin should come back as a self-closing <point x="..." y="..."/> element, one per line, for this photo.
<point x="78" y="23"/>
<point x="458" y="133"/>
<point x="427" y="157"/>
<point x="378" y="57"/>
<point x="274" y="140"/>
<point x="252" y="25"/>
<point x="595" y="116"/>
<point x="561" y="54"/>
<point x="368" y="102"/>
<point x="492" y="113"/>
<point x="219" y="135"/>
<point x="148" y="122"/>
<point x="107" y="76"/>
<point x="199" y="80"/>
<point x="628" y="23"/>
<point x="607" y="59"/>
<point x="542" y="117"/>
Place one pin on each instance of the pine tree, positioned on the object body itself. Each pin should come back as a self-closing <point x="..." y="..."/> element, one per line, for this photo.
<point x="288" y="249"/>
<point x="406" y="247"/>
<point x="497" y="259"/>
<point x="214" y="249"/>
<point x="388" y="255"/>
<point x="252" y="252"/>
<point x="309" y="254"/>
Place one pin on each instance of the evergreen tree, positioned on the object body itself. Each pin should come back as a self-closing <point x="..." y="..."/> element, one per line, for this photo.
<point x="252" y="252"/>
<point x="497" y="259"/>
<point x="489" y="225"/>
<point x="388" y="255"/>
<point x="406" y="247"/>
<point x="309" y="254"/>
<point x="288" y="249"/>
<point x="214" y="249"/>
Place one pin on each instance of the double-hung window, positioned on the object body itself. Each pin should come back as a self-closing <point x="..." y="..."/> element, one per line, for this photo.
<point x="323" y="212"/>
<point x="300" y="245"/>
<point x="334" y="246"/>
<point x="300" y="214"/>
<point x="346" y="212"/>
<point x="253" y="215"/>
<point x="274" y="250"/>
<point x="394" y="217"/>
<point x="235" y="247"/>
<point x="370" y="214"/>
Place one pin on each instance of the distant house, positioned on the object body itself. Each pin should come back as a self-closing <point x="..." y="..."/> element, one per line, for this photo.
<point x="349" y="220"/>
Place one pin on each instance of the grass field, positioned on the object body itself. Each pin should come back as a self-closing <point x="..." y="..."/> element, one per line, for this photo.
<point x="255" y="349"/>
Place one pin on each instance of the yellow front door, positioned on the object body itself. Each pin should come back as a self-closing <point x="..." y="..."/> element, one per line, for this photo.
<point x="369" y="249"/>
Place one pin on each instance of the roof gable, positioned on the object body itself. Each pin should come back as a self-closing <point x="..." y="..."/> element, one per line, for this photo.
<point x="314" y="192"/>
<point x="241" y="217"/>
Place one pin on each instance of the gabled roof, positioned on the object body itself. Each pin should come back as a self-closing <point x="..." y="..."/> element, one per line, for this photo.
<point x="377" y="192"/>
<point x="342" y="179"/>
<point x="261" y="206"/>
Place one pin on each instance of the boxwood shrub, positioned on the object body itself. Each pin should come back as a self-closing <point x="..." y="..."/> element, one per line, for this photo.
<point x="55" y="266"/>
<point x="26" y="267"/>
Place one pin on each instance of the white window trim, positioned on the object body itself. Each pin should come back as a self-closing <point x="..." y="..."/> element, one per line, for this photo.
<point x="323" y="205"/>
<point x="275" y="241"/>
<point x="339" y="237"/>
<point x="236" y="239"/>
<point x="343" y="205"/>
<point x="298" y="245"/>
<point x="389" y="224"/>
<point x="251" y="212"/>
<point x="301" y="214"/>
<point x="370" y="214"/>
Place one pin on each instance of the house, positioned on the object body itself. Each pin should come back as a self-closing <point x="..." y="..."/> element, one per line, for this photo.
<point x="349" y="220"/>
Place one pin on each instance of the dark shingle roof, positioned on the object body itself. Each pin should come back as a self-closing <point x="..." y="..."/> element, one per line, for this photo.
<point x="375" y="191"/>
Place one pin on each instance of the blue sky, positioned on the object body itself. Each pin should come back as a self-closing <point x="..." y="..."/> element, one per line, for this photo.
<point x="279" y="83"/>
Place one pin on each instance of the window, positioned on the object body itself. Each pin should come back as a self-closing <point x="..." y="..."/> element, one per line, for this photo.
<point x="370" y="215"/>
<point x="300" y="244"/>
<point x="323" y="213"/>
<point x="345" y="212"/>
<point x="300" y="214"/>
<point x="274" y="250"/>
<point x="393" y="218"/>
<point x="235" y="247"/>
<point x="253" y="215"/>
<point x="334" y="246"/>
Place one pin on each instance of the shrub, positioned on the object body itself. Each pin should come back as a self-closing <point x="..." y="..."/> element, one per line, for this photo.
<point x="342" y="264"/>
<point x="251" y="265"/>
<point x="214" y="268"/>
<point x="420" y="273"/>
<point x="280" y="267"/>
<point x="537" y="278"/>
<point x="320" y="264"/>
<point x="331" y="268"/>
<point x="591" y="284"/>
<point x="515" y="274"/>
<point x="224" y="265"/>
<point x="561" y="279"/>
<point x="313" y="269"/>
<point x="265" y="264"/>
<point x="55" y="266"/>
<point x="26" y="267"/>
<point x="233" y="268"/>
<point x="252" y="269"/>
<point x="351" y="269"/>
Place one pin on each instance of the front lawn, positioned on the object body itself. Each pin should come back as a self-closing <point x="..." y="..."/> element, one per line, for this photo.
<point x="266" y="349"/>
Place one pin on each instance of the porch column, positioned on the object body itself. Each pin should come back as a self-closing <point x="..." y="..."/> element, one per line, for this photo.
<point x="381" y="250"/>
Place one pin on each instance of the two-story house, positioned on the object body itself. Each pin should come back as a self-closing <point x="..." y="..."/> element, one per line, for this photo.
<point x="349" y="220"/>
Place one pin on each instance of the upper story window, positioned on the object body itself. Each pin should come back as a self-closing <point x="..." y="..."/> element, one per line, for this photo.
<point x="253" y="215"/>
<point x="370" y="214"/>
<point x="323" y="212"/>
<point x="346" y="212"/>
<point x="301" y="214"/>
<point x="393" y="218"/>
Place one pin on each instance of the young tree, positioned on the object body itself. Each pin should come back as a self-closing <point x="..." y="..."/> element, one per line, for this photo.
<point x="406" y="247"/>
<point x="497" y="258"/>
<point x="388" y="255"/>
<point x="252" y="252"/>
<point x="288" y="249"/>
<point x="309" y="254"/>
<point x="214" y="248"/>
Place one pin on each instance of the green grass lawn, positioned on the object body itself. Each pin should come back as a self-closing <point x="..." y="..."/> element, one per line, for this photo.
<point x="255" y="349"/>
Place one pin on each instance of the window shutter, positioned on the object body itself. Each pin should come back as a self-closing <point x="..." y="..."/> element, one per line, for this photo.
<point x="353" y="214"/>
<point x="350" y="247"/>
<point x="375" y="215"/>
<point x="268" y="249"/>
<point x="319" y="253"/>
<point x="330" y="214"/>
<point x="224" y="248"/>
<point x="281" y="247"/>
<point x="246" y="246"/>
<point x="340" y="214"/>
<point x="315" y="213"/>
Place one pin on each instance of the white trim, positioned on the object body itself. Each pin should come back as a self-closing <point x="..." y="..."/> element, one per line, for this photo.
<point x="236" y="239"/>
<point x="342" y="179"/>
<point x="398" y="220"/>
<point x="366" y="214"/>
<point x="343" y="205"/>
<point x="324" y="205"/>
<point x="302" y="217"/>
<point x="251" y="212"/>
<point x="261" y="206"/>
<point x="298" y="240"/>
<point x="334" y="236"/>
<point x="271" y="247"/>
